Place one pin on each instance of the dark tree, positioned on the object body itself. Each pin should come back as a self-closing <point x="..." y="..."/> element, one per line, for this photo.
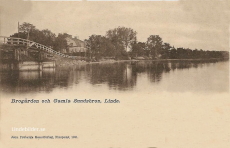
<point x="60" y="42"/>
<point x="122" y="37"/>
<point x="138" y="49"/>
<point x="99" y="46"/>
<point x="154" y="44"/>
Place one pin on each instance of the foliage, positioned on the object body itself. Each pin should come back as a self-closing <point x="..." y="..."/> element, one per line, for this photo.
<point x="99" y="46"/>
<point x="45" y="36"/>
<point x="122" y="37"/>
<point x="26" y="27"/>
<point x="154" y="44"/>
<point x="60" y="42"/>
<point x="165" y="50"/>
<point x="138" y="49"/>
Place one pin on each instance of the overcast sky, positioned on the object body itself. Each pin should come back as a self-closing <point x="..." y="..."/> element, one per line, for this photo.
<point x="193" y="24"/>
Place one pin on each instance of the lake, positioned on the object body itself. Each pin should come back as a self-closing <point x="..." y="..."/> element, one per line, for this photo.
<point x="121" y="77"/>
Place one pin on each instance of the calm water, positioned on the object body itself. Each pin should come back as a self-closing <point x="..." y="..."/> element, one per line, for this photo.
<point x="136" y="77"/>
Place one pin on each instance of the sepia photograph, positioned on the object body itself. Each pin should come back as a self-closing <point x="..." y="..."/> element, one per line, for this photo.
<point x="114" y="74"/>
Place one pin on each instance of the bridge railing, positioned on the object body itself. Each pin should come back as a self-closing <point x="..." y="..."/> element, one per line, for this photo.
<point x="28" y="43"/>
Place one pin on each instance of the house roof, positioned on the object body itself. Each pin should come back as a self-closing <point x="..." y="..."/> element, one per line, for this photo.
<point x="78" y="43"/>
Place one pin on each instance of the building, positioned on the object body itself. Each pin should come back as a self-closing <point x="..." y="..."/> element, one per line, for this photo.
<point x="75" y="47"/>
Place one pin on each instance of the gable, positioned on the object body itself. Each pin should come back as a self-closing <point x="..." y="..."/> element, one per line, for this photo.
<point x="73" y="42"/>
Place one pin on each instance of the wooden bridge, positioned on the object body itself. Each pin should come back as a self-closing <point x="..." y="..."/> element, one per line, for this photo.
<point x="22" y="54"/>
<point x="31" y="44"/>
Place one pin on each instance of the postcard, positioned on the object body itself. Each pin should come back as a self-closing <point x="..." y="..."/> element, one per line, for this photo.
<point x="114" y="74"/>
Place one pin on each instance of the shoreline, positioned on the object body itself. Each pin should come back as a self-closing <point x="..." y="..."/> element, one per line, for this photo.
<point x="82" y="62"/>
<point x="74" y="62"/>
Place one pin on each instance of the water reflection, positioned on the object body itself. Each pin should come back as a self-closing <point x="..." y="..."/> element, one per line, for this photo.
<point x="33" y="81"/>
<point x="118" y="76"/>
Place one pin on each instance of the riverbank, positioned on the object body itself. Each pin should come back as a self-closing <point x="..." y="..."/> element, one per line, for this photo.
<point x="71" y="62"/>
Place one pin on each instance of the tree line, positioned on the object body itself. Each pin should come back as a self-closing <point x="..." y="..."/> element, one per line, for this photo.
<point x="121" y="43"/>
<point x="118" y="43"/>
<point x="45" y="36"/>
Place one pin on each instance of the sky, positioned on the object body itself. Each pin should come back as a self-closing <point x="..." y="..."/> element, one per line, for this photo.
<point x="189" y="24"/>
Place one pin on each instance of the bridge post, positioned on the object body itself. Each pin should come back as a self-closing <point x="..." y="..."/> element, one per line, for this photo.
<point x="39" y="56"/>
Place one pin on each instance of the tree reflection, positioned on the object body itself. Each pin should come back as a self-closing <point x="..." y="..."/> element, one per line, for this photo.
<point x="117" y="75"/>
<point x="120" y="76"/>
<point x="33" y="81"/>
